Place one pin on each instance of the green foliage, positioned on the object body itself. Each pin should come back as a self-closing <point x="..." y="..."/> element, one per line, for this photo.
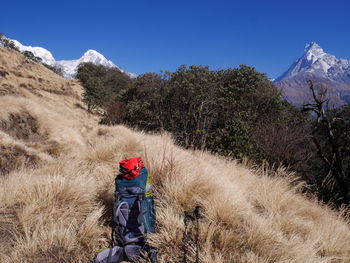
<point x="142" y="99"/>
<point x="94" y="94"/>
<point x="234" y="140"/>
<point x="190" y="96"/>
<point x="101" y="85"/>
<point x="221" y="111"/>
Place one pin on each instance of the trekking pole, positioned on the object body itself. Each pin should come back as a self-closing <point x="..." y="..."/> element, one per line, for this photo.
<point x="197" y="215"/>
<point x="111" y="245"/>
<point x="184" y="239"/>
<point x="187" y="217"/>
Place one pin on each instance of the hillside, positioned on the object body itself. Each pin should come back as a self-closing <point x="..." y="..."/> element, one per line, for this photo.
<point x="57" y="167"/>
<point x="67" y="67"/>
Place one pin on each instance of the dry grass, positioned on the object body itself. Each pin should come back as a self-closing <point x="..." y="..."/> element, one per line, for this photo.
<point x="57" y="210"/>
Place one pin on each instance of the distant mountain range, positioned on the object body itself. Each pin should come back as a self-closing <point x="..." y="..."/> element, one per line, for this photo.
<point x="69" y="67"/>
<point x="323" y="69"/>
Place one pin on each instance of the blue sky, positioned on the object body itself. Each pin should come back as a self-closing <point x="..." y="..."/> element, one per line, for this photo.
<point x="152" y="35"/>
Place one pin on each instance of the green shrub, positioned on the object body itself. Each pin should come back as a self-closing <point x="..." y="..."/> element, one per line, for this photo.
<point x="57" y="70"/>
<point x="101" y="85"/>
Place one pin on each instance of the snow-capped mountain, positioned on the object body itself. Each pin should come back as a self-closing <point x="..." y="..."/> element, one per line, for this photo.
<point x="316" y="61"/>
<point x="69" y="67"/>
<point x="40" y="52"/>
<point x="323" y="69"/>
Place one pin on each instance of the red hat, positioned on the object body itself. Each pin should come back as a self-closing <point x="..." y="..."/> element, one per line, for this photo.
<point x="130" y="168"/>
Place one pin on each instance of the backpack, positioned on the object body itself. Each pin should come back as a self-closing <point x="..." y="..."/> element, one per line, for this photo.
<point x="133" y="214"/>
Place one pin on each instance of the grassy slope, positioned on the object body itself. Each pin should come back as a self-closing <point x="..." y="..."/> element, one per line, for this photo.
<point x="56" y="188"/>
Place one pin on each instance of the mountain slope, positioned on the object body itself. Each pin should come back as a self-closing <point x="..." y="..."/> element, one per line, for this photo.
<point x="56" y="192"/>
<point x="69" y="67"/>
<point x="320" y="67"/>
<point x="40" y="52"/>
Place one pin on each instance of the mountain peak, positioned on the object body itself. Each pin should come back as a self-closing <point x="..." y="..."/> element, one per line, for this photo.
<point x="92" y="52"/>
<point x="314" y="61"/>
<point x="96" y="58"/>
<point x="313" y="51"/>
<point x="315" y="64"/>
<point x="312" y="46"/>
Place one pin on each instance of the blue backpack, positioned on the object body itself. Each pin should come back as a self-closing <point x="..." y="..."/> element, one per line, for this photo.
<point x="133" y="215"/>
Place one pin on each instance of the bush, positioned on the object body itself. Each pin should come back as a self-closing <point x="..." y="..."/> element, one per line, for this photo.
<point x="57" y="70"/>
<point x="101" y="85"/>
<point x="31" y="56"/>
<point x="221" y="111"/>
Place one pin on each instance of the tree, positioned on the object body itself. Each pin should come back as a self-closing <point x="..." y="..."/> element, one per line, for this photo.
<point x="329" y="150"/>
<point x="140" y="104"/>
<point x="245" y="100"/>
<point x="94" y="94"/>
<point x="191" y="104"/>
<point x="88" y="71"/>
<point x="204" y="109"/>
<point x="102" y="85"/>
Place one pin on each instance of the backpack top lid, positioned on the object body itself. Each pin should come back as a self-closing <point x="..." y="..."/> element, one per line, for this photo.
<point x="130" y="168"/>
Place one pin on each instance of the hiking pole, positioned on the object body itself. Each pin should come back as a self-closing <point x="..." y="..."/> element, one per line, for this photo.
<point x="187" y="218"/>
<point x="197" y="216"/>
<point x="111" y="245"/>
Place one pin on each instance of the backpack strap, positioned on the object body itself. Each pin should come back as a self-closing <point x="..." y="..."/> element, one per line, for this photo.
<point x="122" y="213"/>
<point x="128" y="220"/>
